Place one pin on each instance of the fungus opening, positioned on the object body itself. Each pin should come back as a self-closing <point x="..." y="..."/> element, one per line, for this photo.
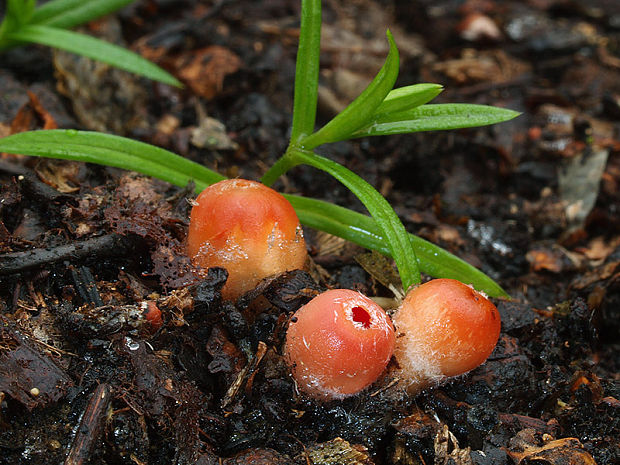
<point x="361" y="316"/>
<point x="341" y="344"/>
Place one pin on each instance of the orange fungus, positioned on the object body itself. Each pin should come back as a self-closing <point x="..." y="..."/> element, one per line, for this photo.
<point x="338" y="344"/>
<point x="247" y="228"/>
<point x="445" y="328"/>
<point x="152" y="314"/>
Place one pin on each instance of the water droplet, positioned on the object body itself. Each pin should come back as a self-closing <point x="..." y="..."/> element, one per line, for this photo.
<point x="131" y="344"/>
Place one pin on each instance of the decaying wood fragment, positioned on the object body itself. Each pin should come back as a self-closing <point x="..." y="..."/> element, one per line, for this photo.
<point x="245" y="376"/>
<point x="91" y="425"/>
<point x="257" y="457"/>
<point x="414" y="436"/>
<point x="447" y="450"/>
<point x="27" y="375"/>
<point x="338" y="452"/>
<point x="110" y="245"/>
<point x="526" y="448"/>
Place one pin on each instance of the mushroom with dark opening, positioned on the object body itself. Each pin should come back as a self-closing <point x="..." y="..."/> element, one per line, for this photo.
<point x="338" y="344"/>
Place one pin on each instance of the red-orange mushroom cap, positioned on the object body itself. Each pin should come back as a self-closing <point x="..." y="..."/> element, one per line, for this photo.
<point x="247" y="228"/>
<point x="445" y="328"/>
<point x="338" y="344"/>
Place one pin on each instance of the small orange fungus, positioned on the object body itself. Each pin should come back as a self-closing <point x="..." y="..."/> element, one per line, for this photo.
<point x="152" y="314"/>
<point x="445" y="328"/>
<point x="338" y="344"/>
<point x="247" y="228"/>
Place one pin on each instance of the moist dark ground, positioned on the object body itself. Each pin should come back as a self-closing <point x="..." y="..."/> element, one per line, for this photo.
<point x="533" y="203"/>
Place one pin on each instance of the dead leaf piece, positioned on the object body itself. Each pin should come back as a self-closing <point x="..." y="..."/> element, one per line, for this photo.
<point x="173" y="266"/>
<point x="477" y="26"/>
<point x="25" y="374"/>
<point x="257" y="457"/>
<point x="58" y="174"/>
<point x="449" y="234"/>
<point x="48" y="120"/>
<point x="545" y="259"/>
<point x="494" y="66"/>
<point x="24" y="120"/>
<point x="597" y="275"/>
<point x="339" y="452"/>
<point x="447" y="450"/>
<point x="104" y="99"/>
<point x="380" y="268"/>
<point x="168" y="124"/>
<point x="179" y="302"/>
<point x="417" y="429"/>
<point x="598" y="249"/>
<point x="566" y="451"/>
<point x="227" y="358"/>
<point x="204" y="70"/>
<point x="134" y="187"/>
<point x="5" y="130"/>
<point x="579" y="181"/>
<point x="211" y="133"/>
<point x="327" y="244"/>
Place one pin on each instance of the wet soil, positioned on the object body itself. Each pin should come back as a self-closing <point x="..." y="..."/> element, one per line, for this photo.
<point x="108" y="356"/>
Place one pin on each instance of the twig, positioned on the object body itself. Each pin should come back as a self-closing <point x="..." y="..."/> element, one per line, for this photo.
<point x="90" y="426"/>
<point x="110" y="245"/>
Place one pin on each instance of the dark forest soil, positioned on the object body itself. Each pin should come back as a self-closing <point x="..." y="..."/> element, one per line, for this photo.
<point x="85" y="377"/>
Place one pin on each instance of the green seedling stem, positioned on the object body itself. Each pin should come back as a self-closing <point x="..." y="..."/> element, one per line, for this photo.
<point x="379" y="110"/>
<point x="48" y="24"/>
<point x="395" y="234"/>
<point x="307" y="71"/>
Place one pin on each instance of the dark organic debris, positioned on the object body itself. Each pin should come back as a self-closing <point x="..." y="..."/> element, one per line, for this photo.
<point x="26" y="374"/>
<point x="91" y="426"/>
<point x="527" y="448"/>
<point x="109" y="245"/>
<point x="85" y="250"/>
